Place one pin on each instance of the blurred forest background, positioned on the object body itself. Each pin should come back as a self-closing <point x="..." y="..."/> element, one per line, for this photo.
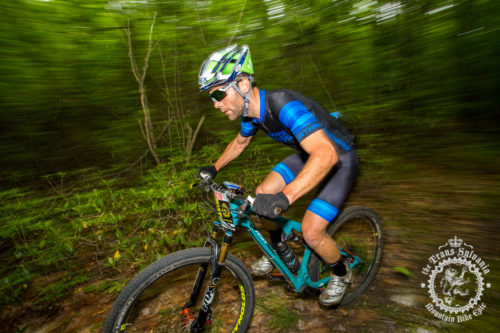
<point x="100" y="118"/>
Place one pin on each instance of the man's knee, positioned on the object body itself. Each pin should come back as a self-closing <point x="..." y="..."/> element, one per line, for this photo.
<point x="271" y="185"/>
<point x="265" y="188"/>
<point x="261" y="189"/>
<point x="314" y="237"/>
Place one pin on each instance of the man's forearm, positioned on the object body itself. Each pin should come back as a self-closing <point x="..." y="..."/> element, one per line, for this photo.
<point x="232" y="151"/>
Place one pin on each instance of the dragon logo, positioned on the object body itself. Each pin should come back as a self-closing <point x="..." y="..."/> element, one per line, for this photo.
<point x="456" y="282"/>
<point x="451" y="284"/>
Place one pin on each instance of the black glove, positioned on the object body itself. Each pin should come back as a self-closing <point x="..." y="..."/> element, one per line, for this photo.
<point x="266" y="204"/>
<point x="210" y="169"/>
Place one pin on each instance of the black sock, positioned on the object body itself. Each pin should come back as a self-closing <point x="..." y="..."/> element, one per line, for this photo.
<point x="338" y="268"/>
<point x="276" y="237"/>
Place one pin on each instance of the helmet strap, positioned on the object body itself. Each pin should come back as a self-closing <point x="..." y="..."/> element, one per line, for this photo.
<point x="246" y="98"/>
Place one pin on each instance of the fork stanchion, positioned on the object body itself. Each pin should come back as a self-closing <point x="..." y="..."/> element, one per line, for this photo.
<point x="215" y="229"/>
<point x="228" y="237"/>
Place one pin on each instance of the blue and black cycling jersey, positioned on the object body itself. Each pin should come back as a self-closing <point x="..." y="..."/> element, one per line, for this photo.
<point x="290" y="117"/>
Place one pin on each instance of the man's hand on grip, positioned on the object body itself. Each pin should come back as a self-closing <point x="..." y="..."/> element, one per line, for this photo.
<point x="210" y="169"/>
<point x="271" y="205"/>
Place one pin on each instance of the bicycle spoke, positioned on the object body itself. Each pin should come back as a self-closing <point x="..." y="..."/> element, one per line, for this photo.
<point x="357" y="233"/>
<point x="356" y="238"/>
<point x="160" y="307"/>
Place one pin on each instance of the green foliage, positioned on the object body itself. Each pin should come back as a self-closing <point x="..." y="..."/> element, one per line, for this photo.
<point x="98" y="219"/>
<point x="405" y="271"/>
<point x="283" y="319"/>
<point x="69" y="98"/>
<point x="54" y="291"/>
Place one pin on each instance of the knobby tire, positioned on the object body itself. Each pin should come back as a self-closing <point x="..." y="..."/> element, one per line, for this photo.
<point x="154" y="298"/>
<point x="357" y="230"/>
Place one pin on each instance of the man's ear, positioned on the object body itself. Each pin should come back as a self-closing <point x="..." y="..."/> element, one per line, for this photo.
<point x="244" y="85"/>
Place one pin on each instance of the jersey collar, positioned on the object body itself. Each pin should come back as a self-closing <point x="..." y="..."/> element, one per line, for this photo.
<point x="262" y="97"/>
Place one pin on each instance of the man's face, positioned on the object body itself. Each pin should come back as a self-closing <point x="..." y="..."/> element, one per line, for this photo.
<point x="232" y="104"/>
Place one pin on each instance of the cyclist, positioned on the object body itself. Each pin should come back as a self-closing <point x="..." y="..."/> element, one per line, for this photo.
<point x="326" y="155"/>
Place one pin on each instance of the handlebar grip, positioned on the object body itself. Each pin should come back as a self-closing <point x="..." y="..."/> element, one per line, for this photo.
<point x="277" y="210"/>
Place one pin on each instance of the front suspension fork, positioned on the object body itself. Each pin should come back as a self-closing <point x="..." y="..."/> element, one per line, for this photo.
<point x="217" y="260"/>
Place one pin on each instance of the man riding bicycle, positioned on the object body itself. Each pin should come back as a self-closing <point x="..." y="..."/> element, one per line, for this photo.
<point x="326" y="155"/>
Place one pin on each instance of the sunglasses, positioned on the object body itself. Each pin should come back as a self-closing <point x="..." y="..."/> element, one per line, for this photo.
<point x="219" y="94"/>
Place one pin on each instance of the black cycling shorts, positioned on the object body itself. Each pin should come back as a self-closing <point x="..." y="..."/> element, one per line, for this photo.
<point x="332" y="190"/>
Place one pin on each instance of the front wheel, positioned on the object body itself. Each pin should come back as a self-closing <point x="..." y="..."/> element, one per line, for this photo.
<point x="156" y="299"/>
<point x="358" y="234"/>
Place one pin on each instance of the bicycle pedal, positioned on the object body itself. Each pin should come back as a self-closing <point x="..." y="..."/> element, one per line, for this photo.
<point x="275" y="277"/>
<point x="309" y="291"/>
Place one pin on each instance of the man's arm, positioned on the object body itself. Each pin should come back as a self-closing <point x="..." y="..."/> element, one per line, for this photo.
<point x="322" y="158"/>
<point x="233" y="150"/>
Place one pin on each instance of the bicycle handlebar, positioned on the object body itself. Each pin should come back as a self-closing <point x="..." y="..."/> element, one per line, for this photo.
<point x="209" y="184"/>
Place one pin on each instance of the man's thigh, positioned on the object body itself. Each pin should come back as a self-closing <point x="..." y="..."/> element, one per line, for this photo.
<point x="282" y="174"/>
<point x="272" y="184"/>
<point x="336" y="186"/>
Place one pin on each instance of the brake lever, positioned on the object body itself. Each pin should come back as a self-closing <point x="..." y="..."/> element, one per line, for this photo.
<point x="243" y="208"/>
<point x="206" y="181"/>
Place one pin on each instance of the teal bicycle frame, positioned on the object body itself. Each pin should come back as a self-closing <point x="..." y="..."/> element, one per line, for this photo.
<point x="302" y="279"/>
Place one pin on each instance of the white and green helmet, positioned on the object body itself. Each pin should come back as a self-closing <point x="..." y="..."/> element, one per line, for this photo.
<point x="224" y="65"/>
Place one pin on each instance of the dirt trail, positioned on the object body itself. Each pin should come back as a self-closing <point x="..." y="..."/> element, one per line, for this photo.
<point x="419" y="214"/>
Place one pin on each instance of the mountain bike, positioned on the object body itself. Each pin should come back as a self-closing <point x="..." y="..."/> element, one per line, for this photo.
<point x="209" y="289"/>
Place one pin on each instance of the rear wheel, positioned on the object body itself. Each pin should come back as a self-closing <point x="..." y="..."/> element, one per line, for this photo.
<point x="358" y="233"/>
<point x="154" y="301"/>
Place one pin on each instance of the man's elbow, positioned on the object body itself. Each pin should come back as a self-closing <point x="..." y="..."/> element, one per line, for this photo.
<point x="333" y="157"/>
<point x="243" y="141"/>
<point x="329" y="155"/>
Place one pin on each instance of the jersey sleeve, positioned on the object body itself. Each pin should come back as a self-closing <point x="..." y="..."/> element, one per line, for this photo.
<point x="247" y="128"/>
<point x="297" y="117"/>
